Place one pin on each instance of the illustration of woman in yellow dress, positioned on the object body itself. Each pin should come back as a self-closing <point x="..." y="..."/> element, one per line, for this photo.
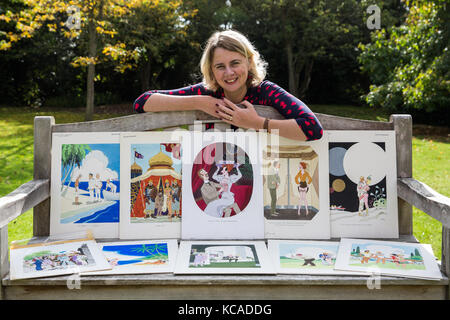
<point x="303" y="179"/>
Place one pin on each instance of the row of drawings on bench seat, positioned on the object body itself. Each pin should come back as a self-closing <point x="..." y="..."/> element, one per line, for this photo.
<point x="347" y="257"/>
<point x="224" y="185"/>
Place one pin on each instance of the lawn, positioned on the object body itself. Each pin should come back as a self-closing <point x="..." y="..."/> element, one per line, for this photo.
<point x="431" y="159"/>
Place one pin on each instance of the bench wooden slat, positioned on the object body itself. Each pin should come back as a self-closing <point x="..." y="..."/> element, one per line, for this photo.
<point x="150" y="121"/>
<point x="425" y="198"/>
<point x="22" y="199"/>
<point x="166" y="286"/>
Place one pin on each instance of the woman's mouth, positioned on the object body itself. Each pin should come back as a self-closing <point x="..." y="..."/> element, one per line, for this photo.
<point x="231" y="81"/>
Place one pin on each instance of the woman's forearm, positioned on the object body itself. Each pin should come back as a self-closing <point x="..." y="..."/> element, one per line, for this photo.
<point x="287" y="128"/>
<point x="164" y="102"/>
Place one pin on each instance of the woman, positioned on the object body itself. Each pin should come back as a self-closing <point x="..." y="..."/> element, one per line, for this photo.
<point x="168" y="200"/>
<point x="233" y="73"/>
<point x="303" y="188"/>
<point x="363" y="195"/>
<point x="218" y="207"/>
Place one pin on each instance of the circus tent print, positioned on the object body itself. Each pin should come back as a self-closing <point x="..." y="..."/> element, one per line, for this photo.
<point x="155" y="192"/>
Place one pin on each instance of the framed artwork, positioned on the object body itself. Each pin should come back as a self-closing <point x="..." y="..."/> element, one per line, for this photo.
<point x="295" y="186"/>
<point x="56" y="258"/>
<point x="133" y="257"/>
<point x="363" y="184"/>
<point x="85" y="183"/>
<point x="223" y="257"/>
<point x="222" y="187"/>
<point x="412" y="260"/>
<point x="151" y="204"/>
<point x="306" y="257"/>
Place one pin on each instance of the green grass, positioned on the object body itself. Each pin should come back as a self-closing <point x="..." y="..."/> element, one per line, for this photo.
<point x="431" y="164"/>
<point x="16" y="155"/>
<point x="431" y="159"/>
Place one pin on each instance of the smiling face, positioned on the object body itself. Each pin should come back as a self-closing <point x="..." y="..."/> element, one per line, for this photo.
<point x="230" y="70"/>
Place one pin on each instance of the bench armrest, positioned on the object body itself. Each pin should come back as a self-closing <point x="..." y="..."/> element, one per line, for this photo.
<point x="425" y="198"/>
<point x="22" y="199"/>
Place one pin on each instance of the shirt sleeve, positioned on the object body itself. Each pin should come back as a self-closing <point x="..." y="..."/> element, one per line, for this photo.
<point x="197" y="89"/>
<point x="291" y="108"/>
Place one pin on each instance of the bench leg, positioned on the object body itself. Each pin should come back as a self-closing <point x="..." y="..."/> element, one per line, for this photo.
<point x="4" y="262"/>
<point x="445" y="258"/>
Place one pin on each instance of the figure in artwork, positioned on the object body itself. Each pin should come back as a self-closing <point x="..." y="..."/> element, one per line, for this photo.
<point x="85" y="170"/>
<point x="303" y="179"/>
<point x="273" y="182"/>
<point x="386" y="256"/>
<point x="221" y="207"/>
<point x="222" y="180"/>
<point x="223" y="256"/>
<point x="357" y="182"/>
<point x="363" y="188"/>
<point x="155" y="191"/>
<point x="313" y="255"/>
<point x="291" y="182"/>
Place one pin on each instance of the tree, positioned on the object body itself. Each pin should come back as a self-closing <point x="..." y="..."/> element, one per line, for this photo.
<point x="301" y="32"/>
<point x="71" y="156"/>
<point x="147" y="32"/>
<point x="408" y="65"/>
<point x="83" y="21"/>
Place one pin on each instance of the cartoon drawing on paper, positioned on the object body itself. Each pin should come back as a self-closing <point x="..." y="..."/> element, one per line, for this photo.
<point x="386" y="256"/>
<point x="222" y="180"/>
<point x="291" y="180"/>
<point x="90" y="183"/>
<point x="155" y="192"/>
<point x="223" y="256"/>
<point x="47" y="260"/>
<point x="136" y="254"/>
<point x="357" y="181"/>
<point x="307" y="256"/>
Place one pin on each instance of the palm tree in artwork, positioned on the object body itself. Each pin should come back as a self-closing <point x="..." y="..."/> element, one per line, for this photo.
<point x="71" y="155"/>
<point x="154" y="251"/>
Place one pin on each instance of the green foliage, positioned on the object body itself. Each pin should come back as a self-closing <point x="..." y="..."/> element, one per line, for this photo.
<point x="408" y="65"/>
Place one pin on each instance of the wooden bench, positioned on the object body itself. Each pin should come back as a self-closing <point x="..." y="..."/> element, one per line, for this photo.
<point x="36" y="194"/>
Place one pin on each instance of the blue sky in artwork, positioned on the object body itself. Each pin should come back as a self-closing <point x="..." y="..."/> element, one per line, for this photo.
<point x="149" y="150"/>
<point x="112" y="152"/>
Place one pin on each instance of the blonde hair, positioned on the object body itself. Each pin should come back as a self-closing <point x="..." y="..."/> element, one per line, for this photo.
<point x="232" y="41"/>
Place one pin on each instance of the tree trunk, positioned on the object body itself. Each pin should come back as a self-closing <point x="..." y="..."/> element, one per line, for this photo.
<point x="293" y="78"/>
<point x="306" y="76"/>
<point x="92" y="52"/>
<point x="145" y="76"/>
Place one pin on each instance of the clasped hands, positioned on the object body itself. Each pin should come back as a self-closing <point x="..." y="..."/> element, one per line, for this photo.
<point x="230" y="113"/>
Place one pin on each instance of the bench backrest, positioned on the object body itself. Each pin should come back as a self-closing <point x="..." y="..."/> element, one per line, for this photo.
<point x="45" y="126"/>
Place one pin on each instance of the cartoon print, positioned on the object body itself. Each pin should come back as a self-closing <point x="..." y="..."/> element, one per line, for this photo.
<point x="303" y="179"/>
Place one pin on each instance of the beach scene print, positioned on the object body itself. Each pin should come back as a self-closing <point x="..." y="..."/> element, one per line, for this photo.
<point x="291" y="182"/>
<point x="308" y="256"/>
<point x="54" y="259"/>
<point x="90" y="183"/>
<point x="129" y="255"/>
<point x="223" y="256"/>
<point x="386" y="256"/>
<point x="358" y="181"/>
<point x="156" y="182"/>
<point x="222" y="180"/>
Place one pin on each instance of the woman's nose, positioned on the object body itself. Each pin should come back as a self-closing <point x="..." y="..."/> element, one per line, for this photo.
<point x="229" y="70"/>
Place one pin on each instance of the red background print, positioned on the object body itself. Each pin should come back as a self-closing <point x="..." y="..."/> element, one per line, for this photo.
<point x="242" y="189"/>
